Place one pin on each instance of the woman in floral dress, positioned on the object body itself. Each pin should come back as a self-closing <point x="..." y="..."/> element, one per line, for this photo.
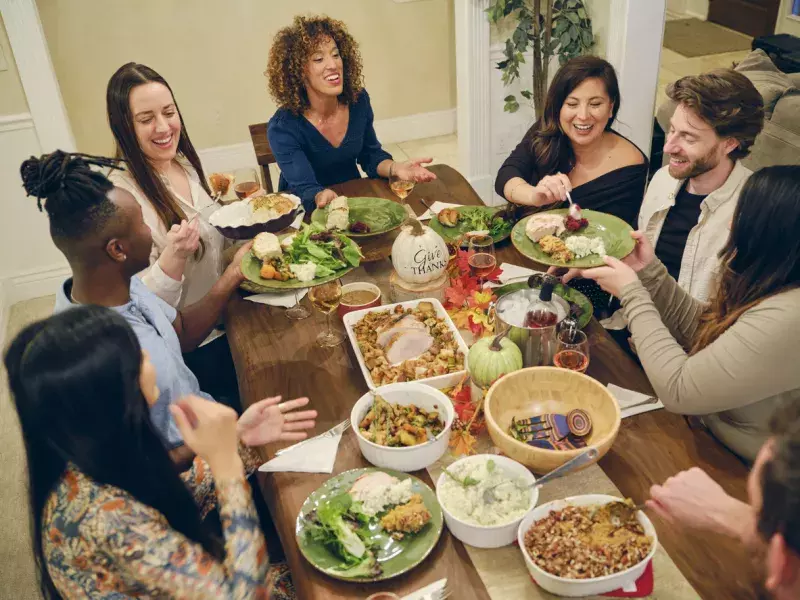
<point x="112" y="518"/>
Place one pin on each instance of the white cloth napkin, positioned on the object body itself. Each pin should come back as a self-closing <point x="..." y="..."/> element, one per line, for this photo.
<point x="436" y="207"/>
<point x="627" y="397"/>
<point x="285" y="300"/>
<point x="427" y="591"/>
<point x="514" y="271"/>
<point x="317" y="456"/>
<point x="298" y="220"/>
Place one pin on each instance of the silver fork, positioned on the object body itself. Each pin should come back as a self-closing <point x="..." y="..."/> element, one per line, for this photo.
<point x="650" y="400"/>
<point x="332" y="432"/>
<point x="441" y="594"/>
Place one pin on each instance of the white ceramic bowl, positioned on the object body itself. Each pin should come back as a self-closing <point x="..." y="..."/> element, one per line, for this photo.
<point x="578" y="588"/>
<point x="482" y="536"/>
<point x="412" y="458"/>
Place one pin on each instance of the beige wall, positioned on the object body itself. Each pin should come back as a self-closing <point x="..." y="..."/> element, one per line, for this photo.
<point x="785" y="23"/>
<point x="214" y="52"/>
<point x="12" y="96"/>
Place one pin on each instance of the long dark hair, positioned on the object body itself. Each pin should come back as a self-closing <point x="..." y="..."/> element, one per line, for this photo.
<point x="120" y="119"/>
<point x="762" y="255"/>
<point x="75" y="382"/>
<point x="551" y="147"/>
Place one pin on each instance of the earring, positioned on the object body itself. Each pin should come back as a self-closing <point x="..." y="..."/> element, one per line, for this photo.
<point x="124" y="257"/>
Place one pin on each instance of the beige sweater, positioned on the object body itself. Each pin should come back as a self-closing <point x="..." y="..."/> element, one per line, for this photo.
<point x="736" y="382"/>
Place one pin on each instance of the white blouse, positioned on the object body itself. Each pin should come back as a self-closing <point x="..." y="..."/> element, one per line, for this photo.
<point x="199" y="275"/>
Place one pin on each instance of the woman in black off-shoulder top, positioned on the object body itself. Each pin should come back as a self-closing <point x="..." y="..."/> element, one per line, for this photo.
<point x="572" y="148"/>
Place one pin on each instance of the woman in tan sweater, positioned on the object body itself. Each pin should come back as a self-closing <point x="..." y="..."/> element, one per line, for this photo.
<point x="733" y="361"/>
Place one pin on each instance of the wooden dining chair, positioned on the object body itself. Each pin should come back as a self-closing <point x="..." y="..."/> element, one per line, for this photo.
<point x="264" y="155"/>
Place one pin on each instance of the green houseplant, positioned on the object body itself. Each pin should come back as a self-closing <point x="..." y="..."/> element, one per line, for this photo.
<point x="552" y="27"/>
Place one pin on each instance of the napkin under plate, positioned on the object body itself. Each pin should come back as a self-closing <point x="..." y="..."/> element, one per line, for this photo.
<point x="286" y="300"/>
<point x="628" y="397"/>
<point x="315" y="456"/>
<point x="436" y="207"/>
<point x="427" y="591"/>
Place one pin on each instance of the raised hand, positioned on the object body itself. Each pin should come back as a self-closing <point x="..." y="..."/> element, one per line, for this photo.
<point x="550" y="189"/>
<point x="184" y="239"/>
<point x="271" y="420"/>
<point x="643" y="253"/>
<point x="413" y="170"/>
<point x="209" y="429"/>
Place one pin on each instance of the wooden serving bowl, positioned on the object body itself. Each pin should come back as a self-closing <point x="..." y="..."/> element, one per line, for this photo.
<point x="539" y="390"/>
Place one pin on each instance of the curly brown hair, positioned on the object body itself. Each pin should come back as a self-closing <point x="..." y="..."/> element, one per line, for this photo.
<point x="289" y="55"/>
<point x="726" y="100"/>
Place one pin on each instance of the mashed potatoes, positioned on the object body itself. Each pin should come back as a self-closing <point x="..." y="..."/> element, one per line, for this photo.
<point x="582" y="246"/>
<point x="465" y="502"/>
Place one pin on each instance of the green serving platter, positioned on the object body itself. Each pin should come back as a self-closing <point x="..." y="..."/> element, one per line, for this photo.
<point x="615" y="232"/>
<point x="395" y="557"/>
<point x="569" y="294"/>
<point x="450" y="234"/>
<point x="380" y="214"/>
<point x="251" y="269"/>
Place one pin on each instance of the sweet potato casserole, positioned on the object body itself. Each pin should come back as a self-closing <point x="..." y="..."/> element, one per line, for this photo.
<point x="581" y="542"/>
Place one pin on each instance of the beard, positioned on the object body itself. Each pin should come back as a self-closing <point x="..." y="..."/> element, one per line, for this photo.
<point x="698" y="167"/>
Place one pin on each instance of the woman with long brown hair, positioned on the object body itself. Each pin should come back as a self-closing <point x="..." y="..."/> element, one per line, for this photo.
<point x="165" y="176"/>
<point x="573" y="148"/>
<point x="734" y="360"/>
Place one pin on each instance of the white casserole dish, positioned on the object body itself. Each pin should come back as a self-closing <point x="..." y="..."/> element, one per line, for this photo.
<point x="412" y="458"/>
<point x="439" y="381"/>
<point x="579" y="588"/>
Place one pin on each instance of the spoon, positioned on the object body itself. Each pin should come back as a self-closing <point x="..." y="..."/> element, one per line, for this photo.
<point x="620" y="512"/>
<point x="579" y="461"/>
<point x="574" y="209"/>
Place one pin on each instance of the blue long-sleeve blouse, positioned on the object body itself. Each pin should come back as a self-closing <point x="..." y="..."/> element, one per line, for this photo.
<point x="308" y="161"/>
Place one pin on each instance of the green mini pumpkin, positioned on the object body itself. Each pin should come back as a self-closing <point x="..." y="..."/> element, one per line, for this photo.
<point x="491" y="358"/>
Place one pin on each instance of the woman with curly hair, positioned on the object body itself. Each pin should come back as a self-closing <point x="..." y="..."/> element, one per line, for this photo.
<point x="742" y="346"/>
<point x="324" y="122"/>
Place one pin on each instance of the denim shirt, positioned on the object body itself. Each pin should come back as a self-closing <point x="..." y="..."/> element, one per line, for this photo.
<point x="309" y="162"/>
<point x="151" y="319"/>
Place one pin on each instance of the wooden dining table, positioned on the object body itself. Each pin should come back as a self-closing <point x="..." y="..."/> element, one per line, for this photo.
<point x="274" y="355"/>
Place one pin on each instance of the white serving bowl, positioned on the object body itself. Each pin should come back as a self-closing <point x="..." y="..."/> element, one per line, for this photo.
<point x="483" y="536"/>
<point x="411" y="458"/>
<point x="578" y="588"/>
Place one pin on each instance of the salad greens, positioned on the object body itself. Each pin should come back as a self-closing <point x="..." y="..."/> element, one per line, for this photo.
<point x="480" y="218"/>
<point x="329" y="251"/>
<point x="338" y="525"/>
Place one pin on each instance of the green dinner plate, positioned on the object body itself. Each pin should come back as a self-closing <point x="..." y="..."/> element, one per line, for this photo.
<point x="395" y="557"/>
<point x="380" y="214"/>
<point x="615" y="232"/>
<point x="251" y="269"/>
<point x="451" y="234"/>
<point x="569" y="294"/>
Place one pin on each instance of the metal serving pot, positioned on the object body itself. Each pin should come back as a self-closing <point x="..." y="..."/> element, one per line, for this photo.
<point x="538" y="344"/>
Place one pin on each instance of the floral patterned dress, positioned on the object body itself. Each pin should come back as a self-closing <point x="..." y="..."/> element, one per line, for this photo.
<point x="100" y="542"/>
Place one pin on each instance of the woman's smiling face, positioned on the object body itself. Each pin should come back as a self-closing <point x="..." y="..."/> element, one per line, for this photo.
<point x="586" y="112"/>
<point x="325" y="69"/>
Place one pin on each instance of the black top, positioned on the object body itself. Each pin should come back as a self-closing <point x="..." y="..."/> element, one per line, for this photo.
<point x="680" y="220"/>
<point x="618" y="192"/>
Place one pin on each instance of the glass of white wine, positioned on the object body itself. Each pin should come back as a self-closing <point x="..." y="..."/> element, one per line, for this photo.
<point x="326" y="298"/>
<point x="298" y="311"/>
<point x="401" y="188"/>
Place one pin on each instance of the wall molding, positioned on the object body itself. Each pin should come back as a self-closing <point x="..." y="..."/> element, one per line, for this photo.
<point x="37" y="75"/>
<point x="16" y="122"/>
<point x="27" y="286"/>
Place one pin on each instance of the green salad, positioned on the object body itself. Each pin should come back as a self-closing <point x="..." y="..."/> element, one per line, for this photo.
<point x="328" y="250"/>
<point x="480" y="219"/>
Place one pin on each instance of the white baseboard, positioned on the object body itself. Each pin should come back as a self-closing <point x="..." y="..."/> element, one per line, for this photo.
<point x="27" y="286"/>
<point x="695" y="15"/>
<point x="389" y="131"/>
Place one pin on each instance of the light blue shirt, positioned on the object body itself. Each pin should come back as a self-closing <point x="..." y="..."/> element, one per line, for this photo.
<point x="151" y="319"/>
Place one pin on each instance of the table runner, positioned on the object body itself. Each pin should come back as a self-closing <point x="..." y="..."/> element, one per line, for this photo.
<point x="503" y="570"/>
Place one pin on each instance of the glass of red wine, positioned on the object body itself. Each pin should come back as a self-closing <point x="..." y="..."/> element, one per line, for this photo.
<point x="572" y="350"/>
<point x="482" y="261"/>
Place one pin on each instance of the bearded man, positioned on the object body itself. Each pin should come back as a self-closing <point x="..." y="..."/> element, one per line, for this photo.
<point x="689" y="204"/>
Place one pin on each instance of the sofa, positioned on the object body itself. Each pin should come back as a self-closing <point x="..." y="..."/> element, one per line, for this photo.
<point x="779" y="141"/>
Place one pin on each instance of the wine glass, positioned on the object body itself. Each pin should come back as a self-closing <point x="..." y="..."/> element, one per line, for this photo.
<point x="572" y="350"/>
<point x="326" y="299"/>
<point x="401" y="187"/>
<point x="483" y="260"/>
<point x="298" y="311"/>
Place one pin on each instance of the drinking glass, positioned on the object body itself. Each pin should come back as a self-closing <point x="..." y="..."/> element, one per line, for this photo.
<point x="572" y="350"/>
<point x="483" y="261"/>
<point x="326" y="299"/>
<point x="401" y="187"/>
<point x="298" y="311"/>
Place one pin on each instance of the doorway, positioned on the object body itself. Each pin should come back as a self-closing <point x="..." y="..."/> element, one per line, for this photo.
<point x="751" y="17"/>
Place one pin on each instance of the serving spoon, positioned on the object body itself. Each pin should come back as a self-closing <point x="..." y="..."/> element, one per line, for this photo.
<point x="574" y="463"/>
